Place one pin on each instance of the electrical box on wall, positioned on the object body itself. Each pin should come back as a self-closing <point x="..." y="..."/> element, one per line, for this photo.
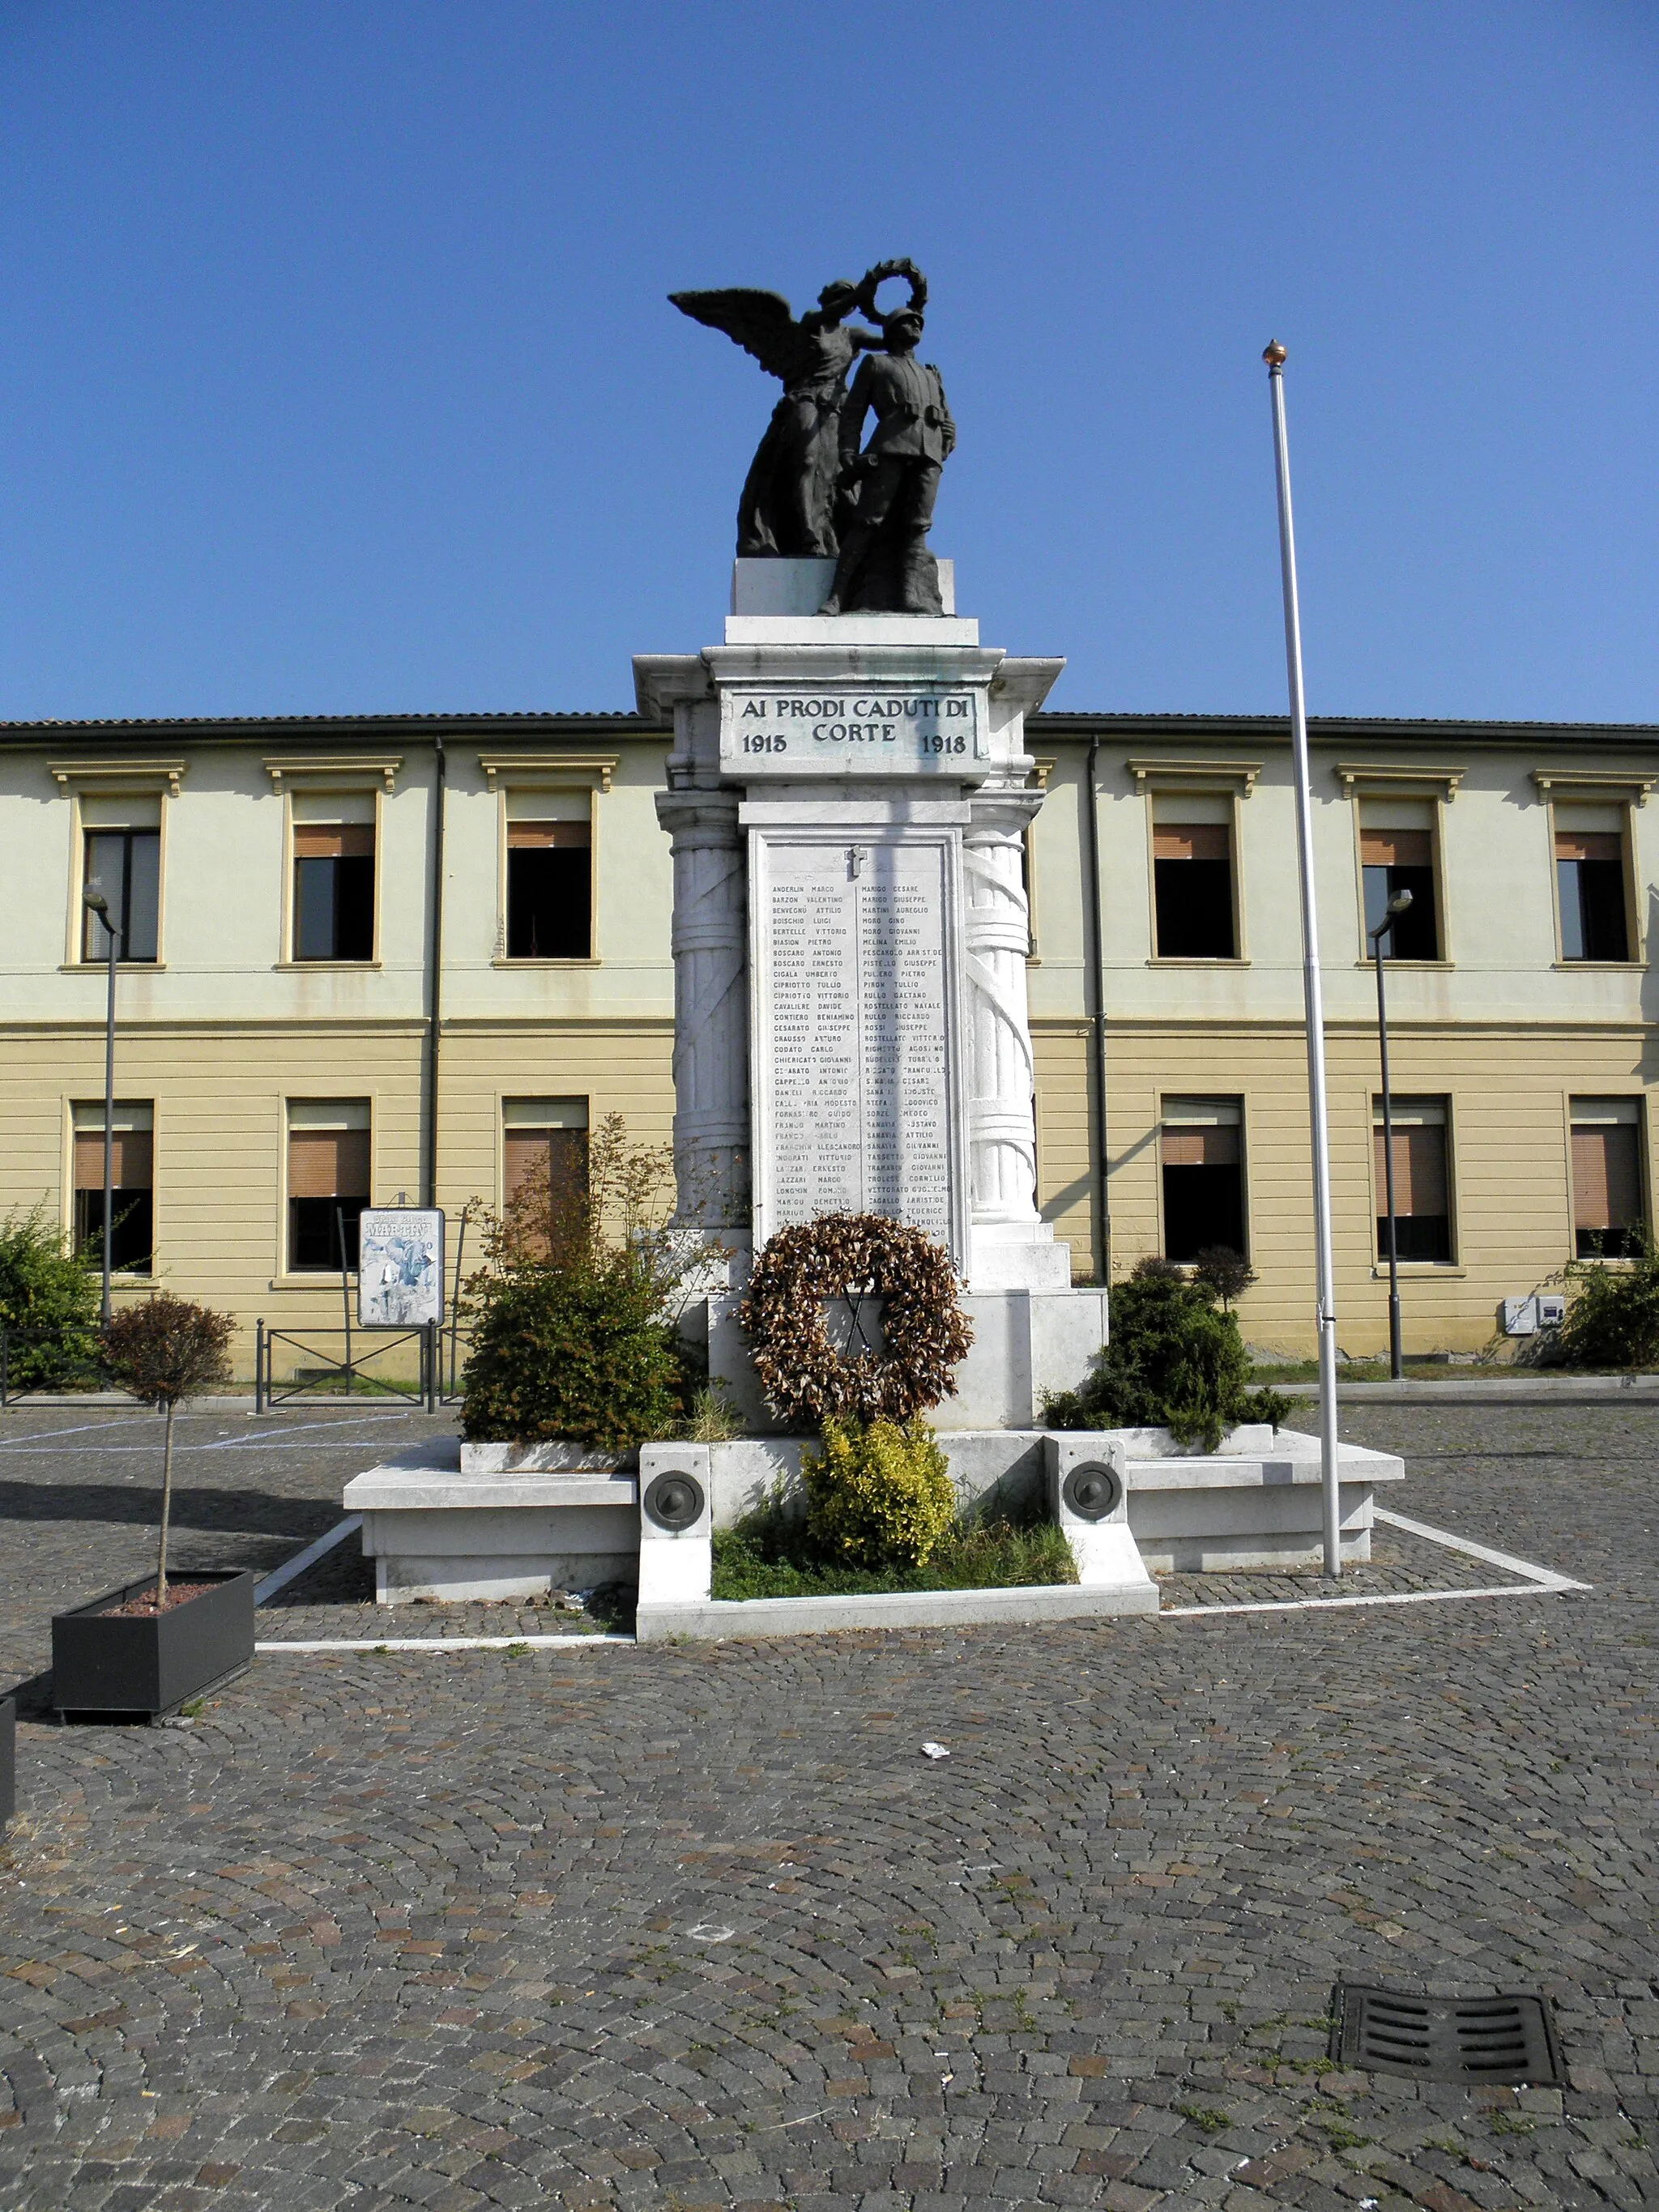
<point x="1526" y="1317"/>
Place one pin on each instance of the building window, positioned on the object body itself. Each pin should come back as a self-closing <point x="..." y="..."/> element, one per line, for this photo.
<point x="543" y="1172"/>
<point x="327" y="1181"/>
<point x="1422" y="1207"/>
<point x="1394" y="861"/>
<point x="125" y="866"/>
<point x="1203" y="1176"/>
<point x="1608" y="1220"/>
<point x="132" y="1238"/>
<point x="1193" y="890"/>
<point x="550" y="891"/>
<point x="333" y="890"/>
<point x="1590" y="882"/>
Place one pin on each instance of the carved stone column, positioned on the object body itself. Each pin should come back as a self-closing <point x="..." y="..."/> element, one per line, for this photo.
<point x="1001" y="1113"/>
<point x="711" y="1015"/>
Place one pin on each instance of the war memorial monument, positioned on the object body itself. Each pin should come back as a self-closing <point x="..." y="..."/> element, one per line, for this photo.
<point x="847" y="799"/>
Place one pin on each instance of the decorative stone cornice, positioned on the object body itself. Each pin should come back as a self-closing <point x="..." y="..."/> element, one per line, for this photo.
<point x="332" y="771"/>
<point x="1399" y="779"/>
<point x="1594" y="783"/>
<point x="1166" y="774"/>
<point x="122" y="776"/>
<point x="539" y="771"/>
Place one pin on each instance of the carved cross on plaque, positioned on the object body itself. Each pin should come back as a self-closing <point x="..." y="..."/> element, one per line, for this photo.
<point x="854" y="861"/>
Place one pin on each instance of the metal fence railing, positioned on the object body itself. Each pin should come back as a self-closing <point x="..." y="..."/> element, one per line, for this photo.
<point x="405" y="1363"/>
<point x="420" y="1366"/>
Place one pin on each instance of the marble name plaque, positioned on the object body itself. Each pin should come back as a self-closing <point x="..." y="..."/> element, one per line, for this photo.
<point x="853" y="729"/>
<point x="855" y="1034"/>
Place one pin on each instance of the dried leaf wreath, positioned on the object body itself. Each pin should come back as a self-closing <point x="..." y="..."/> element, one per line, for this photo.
<point x="925" y="1331"/>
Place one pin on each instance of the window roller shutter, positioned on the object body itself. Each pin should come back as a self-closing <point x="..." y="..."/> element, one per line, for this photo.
<point x="333" y="841"/>
<point x="545" y="837"/>
<point x="328" y="1163"/>
<point x="1607" y="1184"/>
<point x="1395" y="848"/>
<point x="1419" y="1172"/>
<point x="1588" y="845"/>
<point x="131" y="1157"/>
<point x="1190" y="841"/>
<point x="1200" y="1148"/>
<point x="1591" y="1207"/>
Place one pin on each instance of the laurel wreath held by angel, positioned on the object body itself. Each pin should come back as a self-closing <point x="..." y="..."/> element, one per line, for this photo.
<point x="801" y="495"/>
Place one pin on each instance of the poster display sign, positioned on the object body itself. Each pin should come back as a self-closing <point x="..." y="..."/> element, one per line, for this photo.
<point x="400" y="1267"/>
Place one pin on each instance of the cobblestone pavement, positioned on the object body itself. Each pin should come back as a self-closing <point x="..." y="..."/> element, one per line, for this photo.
<point x="678" y="1925"/>
<point x="1400" y="1561"/>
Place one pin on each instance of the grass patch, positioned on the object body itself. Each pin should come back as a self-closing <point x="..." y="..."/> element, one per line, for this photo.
<point x="769" y="1554"/>
<point x="1210" y="2118"/>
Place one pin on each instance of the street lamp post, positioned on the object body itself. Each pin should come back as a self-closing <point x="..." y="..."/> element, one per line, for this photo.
<point x="1397" y="906"/>
<point x="97" y="905"/>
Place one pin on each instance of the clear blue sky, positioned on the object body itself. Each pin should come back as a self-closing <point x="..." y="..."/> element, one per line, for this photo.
<point x="336" y="373"/>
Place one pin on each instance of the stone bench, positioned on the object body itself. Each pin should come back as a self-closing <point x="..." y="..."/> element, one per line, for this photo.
<point x="436" y="1531"/>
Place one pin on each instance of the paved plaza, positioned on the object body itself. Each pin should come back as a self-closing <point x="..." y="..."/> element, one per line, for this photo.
<point x="692" y="1925"/>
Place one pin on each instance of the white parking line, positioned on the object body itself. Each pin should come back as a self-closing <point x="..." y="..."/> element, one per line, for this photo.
<point x="1547" y="1578"/>
<point x="290" y="1570"/>
<point x="447" y="1643"/>
<point x="346" y="1421"/>
<point x="1537" y="1581"/>
<point x="1391" y="1597"/>
<point x="36" y="1435"/>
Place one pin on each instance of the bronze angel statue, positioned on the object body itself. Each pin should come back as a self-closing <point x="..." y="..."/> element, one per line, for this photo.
<point x="788" y="503"/>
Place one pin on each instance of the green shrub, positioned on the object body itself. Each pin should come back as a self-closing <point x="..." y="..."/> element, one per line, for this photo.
<point x="580" y="1354"/>
<point x="1172" y="1361"/>
<point x="48" y="1305"/>
<point x="879" y="1496"/>
<point x="574" y="1321"/>
<point x="772" y="1554"/>
<point x="1613" y="1318"/>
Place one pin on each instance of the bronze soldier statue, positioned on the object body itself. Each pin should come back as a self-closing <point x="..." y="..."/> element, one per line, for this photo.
<point x="788" y="502"/>
<point x="888" y="491"/>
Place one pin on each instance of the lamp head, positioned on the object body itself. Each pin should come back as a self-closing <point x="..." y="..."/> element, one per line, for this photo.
<point x="93" y="898"/>
<point x="1398" y="902"/>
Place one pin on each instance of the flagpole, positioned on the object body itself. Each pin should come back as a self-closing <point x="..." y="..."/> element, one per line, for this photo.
<point x="1313" y="997"/>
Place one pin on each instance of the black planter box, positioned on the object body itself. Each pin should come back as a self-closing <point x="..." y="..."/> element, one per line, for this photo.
<point x="151" y="1662"/>
<point x="8" y="1760"/>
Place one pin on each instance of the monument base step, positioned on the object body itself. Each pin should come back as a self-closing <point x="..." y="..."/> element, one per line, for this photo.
<point x="721" y="1618"/>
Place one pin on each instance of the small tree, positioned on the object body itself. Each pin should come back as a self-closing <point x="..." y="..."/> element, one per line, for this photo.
<point x="165" y="1351"/>
<point x="1227" y="1274"/>
<point x="48" y="1296"/>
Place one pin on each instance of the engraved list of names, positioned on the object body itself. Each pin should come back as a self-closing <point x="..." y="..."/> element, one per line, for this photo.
<point x="859" y="1104"/>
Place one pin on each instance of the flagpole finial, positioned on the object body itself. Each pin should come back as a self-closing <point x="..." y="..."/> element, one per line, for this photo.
<point x="1274" y="354"/>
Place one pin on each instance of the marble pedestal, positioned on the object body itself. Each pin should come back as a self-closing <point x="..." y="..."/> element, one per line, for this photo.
<point x="848" y="800"/>
<point x="1027" y="1344"/>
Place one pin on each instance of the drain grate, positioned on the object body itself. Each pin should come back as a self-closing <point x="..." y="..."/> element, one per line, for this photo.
<point x="1505" y="2038"/>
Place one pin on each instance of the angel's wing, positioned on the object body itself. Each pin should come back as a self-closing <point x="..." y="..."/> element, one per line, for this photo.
<point x="761" y="322"/>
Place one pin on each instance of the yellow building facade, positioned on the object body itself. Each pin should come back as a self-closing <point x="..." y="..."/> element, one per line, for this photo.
<point x="384" y="955"/>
